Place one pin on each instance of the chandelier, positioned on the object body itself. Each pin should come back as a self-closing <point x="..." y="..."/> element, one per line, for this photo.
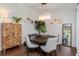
<point x="44" y="15"/>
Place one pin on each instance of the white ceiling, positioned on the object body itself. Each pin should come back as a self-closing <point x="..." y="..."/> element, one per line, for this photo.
<point x="37" y="7"/>
<point x="51" y="6"/>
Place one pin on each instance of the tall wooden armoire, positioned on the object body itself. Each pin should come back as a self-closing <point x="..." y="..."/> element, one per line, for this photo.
<point x="10" y="35"/>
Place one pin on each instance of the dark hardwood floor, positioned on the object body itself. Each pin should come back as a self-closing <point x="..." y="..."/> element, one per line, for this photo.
<point x="21" y="51"/>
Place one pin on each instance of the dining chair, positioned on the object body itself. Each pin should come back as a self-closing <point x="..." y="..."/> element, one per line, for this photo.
<point x="30" y="46"/>
<point x="50" y="46"/>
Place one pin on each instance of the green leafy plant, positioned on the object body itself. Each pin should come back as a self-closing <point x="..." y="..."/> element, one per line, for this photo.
<point x="16" y="19"/>
<point x="40" y="26"/>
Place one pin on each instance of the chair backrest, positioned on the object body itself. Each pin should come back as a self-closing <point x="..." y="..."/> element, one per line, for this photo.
<point x="31" y="35"/>
<point x="51" y="44"/>
<point x="27" y="41"/>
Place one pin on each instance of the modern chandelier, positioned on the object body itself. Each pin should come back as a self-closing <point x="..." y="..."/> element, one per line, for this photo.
<point x="45" y="15"/>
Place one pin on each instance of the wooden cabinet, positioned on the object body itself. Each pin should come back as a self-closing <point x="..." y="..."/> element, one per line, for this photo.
<point x="11" y="35"/>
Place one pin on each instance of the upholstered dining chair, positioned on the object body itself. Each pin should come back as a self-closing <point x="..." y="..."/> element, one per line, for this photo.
<point x="30" y="46"/>
<point x="50" y="46"/>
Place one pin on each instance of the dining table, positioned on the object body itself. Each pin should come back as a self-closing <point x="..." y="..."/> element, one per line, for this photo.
<point x="40" y="40"/>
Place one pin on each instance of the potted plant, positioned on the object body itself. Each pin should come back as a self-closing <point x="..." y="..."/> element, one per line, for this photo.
<point x="16" y="19"/>
<point x="40" y="26"/>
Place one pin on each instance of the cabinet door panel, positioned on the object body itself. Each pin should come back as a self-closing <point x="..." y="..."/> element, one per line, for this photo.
<point x="17" y="34"/>
<point x="6" y="35"/>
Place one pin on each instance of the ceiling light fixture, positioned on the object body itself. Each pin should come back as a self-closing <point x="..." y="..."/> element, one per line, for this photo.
<point x="44" y="16"/>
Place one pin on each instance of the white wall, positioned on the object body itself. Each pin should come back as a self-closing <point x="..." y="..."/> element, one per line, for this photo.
<point x="77" y="31"/>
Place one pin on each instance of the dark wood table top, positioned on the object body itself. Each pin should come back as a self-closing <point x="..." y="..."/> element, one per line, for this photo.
<point x="40" y="40"/>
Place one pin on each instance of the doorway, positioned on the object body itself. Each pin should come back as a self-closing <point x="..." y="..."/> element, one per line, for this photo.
<point x="67" y="34"/>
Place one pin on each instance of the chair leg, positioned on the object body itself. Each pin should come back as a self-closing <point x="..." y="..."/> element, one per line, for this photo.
<point x="27" y="52"/>
<point x="55" y="52"/>
<point x="59" y="47"/>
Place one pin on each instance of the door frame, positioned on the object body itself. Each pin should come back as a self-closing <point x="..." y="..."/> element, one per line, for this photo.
<point x="70" y="33"/>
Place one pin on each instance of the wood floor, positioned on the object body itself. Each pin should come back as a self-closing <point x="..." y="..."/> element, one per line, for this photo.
<point x="21" y="51"/>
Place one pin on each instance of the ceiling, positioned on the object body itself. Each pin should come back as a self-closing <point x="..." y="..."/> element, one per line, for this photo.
<point x="37" y="7"/>
<point x="51" y="6"/>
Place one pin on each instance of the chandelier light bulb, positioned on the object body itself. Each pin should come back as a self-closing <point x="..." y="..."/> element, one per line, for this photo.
<point x="45" y="17"/>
